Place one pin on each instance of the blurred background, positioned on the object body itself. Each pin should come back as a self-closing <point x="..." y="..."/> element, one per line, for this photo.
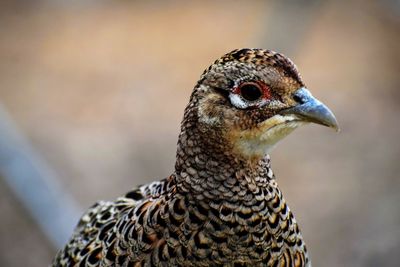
<point x="92" y="94"/>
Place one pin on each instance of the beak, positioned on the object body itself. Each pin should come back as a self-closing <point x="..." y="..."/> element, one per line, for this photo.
<point x="311" y="110"/>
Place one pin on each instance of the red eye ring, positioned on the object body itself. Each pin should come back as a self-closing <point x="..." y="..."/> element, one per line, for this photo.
<point x="253" y="91"/>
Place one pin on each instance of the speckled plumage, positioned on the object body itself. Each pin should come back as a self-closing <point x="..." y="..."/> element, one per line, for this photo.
<point x="222" y="205"/>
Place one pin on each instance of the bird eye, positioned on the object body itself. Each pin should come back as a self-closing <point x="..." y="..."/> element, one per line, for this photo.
<point x="251" y="91"/>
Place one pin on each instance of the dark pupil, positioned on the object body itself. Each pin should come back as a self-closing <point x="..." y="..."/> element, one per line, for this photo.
<point x="250" y="92"/>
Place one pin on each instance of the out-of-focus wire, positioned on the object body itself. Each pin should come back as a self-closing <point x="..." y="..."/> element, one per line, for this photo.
<point x="35" y="184"/>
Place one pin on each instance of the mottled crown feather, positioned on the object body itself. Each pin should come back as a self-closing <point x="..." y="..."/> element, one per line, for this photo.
<point x="259" y="56"/>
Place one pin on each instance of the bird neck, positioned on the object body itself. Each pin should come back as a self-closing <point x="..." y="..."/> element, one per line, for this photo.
<point x="205" y="168"/>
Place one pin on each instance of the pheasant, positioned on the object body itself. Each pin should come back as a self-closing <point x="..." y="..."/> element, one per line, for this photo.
<point x="221" y="206"/>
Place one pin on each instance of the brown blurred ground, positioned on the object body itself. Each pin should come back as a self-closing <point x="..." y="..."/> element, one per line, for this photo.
<point x="99" y="89"/>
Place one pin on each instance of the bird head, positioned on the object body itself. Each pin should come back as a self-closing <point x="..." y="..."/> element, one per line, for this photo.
<point x="250" y="99"/>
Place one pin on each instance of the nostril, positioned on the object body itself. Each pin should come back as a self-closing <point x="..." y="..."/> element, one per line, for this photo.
<point x="298" y="99"/>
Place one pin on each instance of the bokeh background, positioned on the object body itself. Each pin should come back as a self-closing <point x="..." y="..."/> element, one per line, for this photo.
<point x="92" y="94"/>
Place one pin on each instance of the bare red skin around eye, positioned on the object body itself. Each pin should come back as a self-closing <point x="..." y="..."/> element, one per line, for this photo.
<point x="264" y="88"/>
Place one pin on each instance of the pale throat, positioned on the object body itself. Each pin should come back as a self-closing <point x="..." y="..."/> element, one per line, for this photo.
<point x="255" y="143"/>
